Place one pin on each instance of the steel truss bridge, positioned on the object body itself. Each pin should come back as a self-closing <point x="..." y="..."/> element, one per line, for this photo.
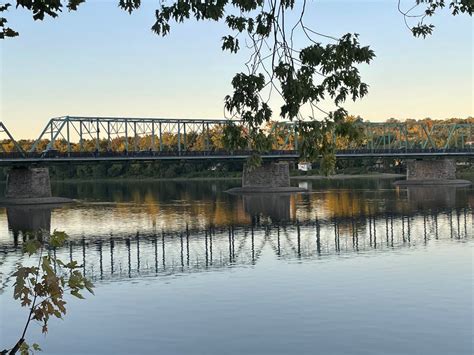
<point x="135" y="255"/>
<point x="83" y="139"/>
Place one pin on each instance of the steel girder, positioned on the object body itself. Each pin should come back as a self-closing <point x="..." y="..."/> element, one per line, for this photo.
<point x="132" y="134"/>
<point x="10" y="139"/>
<point x="82" y="134"/>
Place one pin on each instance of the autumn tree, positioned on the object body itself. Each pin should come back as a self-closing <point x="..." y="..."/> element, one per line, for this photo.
<point x="42" y="286"/>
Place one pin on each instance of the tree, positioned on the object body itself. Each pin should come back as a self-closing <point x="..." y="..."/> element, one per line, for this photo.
<point x="42" y="287"/>
<point x="325" y="67"/>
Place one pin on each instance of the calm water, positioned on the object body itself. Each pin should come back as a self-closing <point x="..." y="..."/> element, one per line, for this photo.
<point x="353" y="267"/>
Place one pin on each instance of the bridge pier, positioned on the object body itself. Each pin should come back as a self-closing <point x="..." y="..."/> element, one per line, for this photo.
<point x="443" y="169"/>
<point x="432" y="172"/>
<point x="270" y="177"/>
<point x="24" y="182"/>
<point x="27" y="185"/>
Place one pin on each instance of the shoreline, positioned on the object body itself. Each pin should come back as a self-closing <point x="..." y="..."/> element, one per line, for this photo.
<point x="336" y="177"/>
<point x="349" y="176"/>
<point x="223" y="178"/>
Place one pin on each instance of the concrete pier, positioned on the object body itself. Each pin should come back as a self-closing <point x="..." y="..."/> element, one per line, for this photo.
<point x="269" y="175"/>
<point x="431" y="172"/>
<point x="29" y="186"/>
<point x="28" y="183"/>
<point x="443" y="169"/>
<point x="272" y="177"/>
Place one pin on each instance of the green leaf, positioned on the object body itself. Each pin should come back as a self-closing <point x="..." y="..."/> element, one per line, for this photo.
<point x="89" y="285"/>
<point x="46" y="266"/>
<point x="57" y="239"/>
<point x="76" y="293"/>
<point x="31" y="246"/>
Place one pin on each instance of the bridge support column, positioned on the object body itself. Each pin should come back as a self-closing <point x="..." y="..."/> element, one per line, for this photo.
<point x="28" y="183"/>
<point x="270" y="177"/>
<point x="431" y="172"/>
<point x="444" y="169"/>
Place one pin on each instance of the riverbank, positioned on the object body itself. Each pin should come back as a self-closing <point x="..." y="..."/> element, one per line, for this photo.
<point x="210" y="170"/>
<point x="468" y="175"/>
<point x="237" y="178"/>
<point x="348" y="176"/>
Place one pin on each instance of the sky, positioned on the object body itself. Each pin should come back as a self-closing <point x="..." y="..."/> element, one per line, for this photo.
<point x="101" y="61"/>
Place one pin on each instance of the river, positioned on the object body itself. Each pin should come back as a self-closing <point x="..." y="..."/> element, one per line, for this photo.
<point x="355" y="266"/>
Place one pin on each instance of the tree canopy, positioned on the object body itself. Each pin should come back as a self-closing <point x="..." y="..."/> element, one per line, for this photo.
<point x="323" y="68"/>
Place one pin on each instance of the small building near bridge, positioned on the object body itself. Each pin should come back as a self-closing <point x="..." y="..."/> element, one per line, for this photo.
<point x="303" y="166"/>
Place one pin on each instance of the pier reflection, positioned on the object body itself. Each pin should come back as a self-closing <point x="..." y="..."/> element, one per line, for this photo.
<point x="423" y="197"/>
<point x="28" y="219"/>
<point x="169" y="252"/>
<point x="276" y="207"/>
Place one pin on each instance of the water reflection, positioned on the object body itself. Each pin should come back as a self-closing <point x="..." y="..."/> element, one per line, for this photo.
<point x="304" y="267"/>
<point x="127" y="230"/>
<point x="158" y="205"/>
<point x="25" y="220"/>
<point x="125" y="256"/>
<point x="422" y="197"/>
<point x="276" y="207"/>
<point x="149" y="207"/>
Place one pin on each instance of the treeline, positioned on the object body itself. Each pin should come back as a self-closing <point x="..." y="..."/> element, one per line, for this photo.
<point x="212" y="169"/>
<point x="183" y="169"/>
<point x="153" y="169"/>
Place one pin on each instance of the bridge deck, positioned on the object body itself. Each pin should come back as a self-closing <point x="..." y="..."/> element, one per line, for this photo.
<point x="84" y="157"/>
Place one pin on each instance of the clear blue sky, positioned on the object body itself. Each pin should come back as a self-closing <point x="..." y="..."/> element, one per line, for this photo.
<point x="102" y="61"/>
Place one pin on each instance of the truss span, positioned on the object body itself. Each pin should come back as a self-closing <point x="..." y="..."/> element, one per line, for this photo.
<point x="85" y="139"/>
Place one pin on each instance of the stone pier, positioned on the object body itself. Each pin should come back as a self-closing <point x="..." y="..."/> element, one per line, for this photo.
<point x="28" y="183"/>
<point x="267" y="176"/>
<point x="444" y="169"/>
<point x="270" y="177"/>
<point x="432" y="172"/>
<point x="28" y="186"/>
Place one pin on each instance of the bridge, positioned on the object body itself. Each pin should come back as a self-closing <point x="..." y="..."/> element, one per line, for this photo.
<point x="66" y="139"/>
<point x="72" y="139"/>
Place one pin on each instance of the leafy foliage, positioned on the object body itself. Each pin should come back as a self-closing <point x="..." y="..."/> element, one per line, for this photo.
<point x="5" y="31"/>
<point x="233" y="137"/>
<point x="42" y="287"/>
<point x="253" y="162"/>
<point x="431" y="7"/>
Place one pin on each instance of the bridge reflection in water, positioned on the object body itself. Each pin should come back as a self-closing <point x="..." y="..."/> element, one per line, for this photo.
<point x="125" y="256"/>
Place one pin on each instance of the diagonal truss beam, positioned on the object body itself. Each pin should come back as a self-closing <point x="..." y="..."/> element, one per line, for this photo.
<point x="4" y="129"/>
<point x="87" y="134"/>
